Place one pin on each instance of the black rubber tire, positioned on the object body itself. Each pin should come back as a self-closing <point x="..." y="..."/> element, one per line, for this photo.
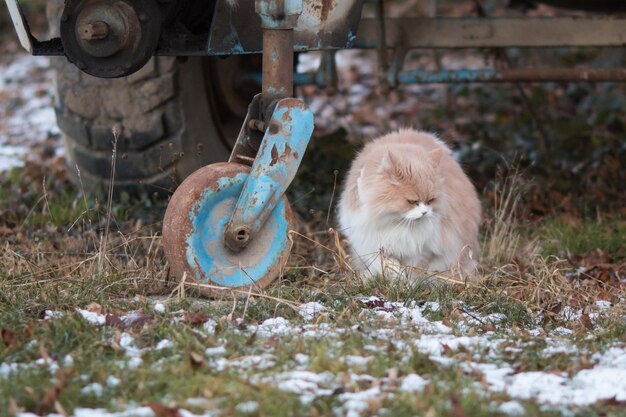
<point x="163" y="114"/>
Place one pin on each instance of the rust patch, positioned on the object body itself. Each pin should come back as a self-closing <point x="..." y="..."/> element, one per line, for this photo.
<point x="286" y="117"/>
<point x="327" y="6"/>
<point x="275" y="156"/>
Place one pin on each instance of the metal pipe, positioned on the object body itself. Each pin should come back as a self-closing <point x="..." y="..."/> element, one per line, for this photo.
<point x="277" y="64"/>
<point x="490" y="75"/>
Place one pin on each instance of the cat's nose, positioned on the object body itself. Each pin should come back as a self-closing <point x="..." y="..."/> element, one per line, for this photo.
<point x="424" y="213"/>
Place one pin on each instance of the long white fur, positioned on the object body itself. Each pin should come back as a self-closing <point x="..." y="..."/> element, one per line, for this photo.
<point x="414" y="239"/>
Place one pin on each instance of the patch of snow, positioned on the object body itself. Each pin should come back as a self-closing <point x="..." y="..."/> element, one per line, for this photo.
<point x="613" y="358"/>
<point x="247" y="407"/>
<point x="512" y="408"/>
<point x="356" y="361"/>
<point x="164" y="344"/>
<point x="99" y="412"/>
<point x="356" y="404"/>
<point x="562" y="331"/>
<point x="159" y="308"/>
<point x="274" y="326"/>
<point x="603" y="304"/>
<point x="247" y="363"/>
<point x="7" y="369"/>
<point x="308" y="385"/>
<point x="26" y="110"/>
<point x="435" y="345"/>
<point x="134" y="363"/>
<point x="51" y="314"/>
<point x="605" y="381"/>
<point x="309" y="311"/>
<point x="431" y="306"/>
<point x="301" y="359"/>
<point x="209" y="326"/>
<point x="92" y="389"/>
<point x="413" y="383"/>
<point x="112" y="381"/>
<point x="215" y="351"/>
<point x="92" y="318"/>
<point x="52" y="365"/>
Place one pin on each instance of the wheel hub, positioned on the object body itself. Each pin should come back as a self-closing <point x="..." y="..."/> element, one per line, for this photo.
<point x="110" y="38"/>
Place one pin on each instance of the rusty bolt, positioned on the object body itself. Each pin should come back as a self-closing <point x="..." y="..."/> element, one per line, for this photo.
<point x="237" y="238"/>
<point x="274" y="128"/>
<point x="93" y="31"/>
<point x="256" y="124"/>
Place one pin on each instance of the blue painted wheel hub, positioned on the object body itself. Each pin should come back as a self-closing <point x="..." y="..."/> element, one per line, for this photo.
<point x="193" y="234"/>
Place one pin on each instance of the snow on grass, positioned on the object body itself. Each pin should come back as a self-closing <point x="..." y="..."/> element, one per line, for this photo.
<point x="310" y="311"/>
<point x="92" y="389"/>
<point x="26" y="109"/>
<point x="215" y="351"/>
<point x="512" y="408"/>
<point x="413" y="383"/>
<point x="308" y="385"/>
<point x="407" y="328"/>
<point x="92" y="317"/>
<point x="273" y="327"/>
<point x="356" y="404"/>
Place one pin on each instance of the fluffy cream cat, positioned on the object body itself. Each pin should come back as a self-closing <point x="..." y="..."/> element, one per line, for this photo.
<point x="407" y="198"/>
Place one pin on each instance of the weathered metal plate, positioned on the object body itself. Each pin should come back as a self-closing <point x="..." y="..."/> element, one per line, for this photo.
<point x="494" y="32"/>
<point x="20" y="24"/>
<point x="193" y="230"/>
<point x="274" y="167"/>
<point x="323" y="24"/>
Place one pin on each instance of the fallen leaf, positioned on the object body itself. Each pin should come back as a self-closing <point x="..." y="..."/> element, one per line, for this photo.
<point x="113" y="320"/>
<point x="164" y="411"/>
<point x="196" y="359"/>
<point x="95" y="308"/>
<point x="8" y="337"/>
<point x="196" y="318"/>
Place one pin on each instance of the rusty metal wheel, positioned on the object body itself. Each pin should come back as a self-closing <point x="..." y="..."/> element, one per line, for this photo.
<point x="193" y="230"/>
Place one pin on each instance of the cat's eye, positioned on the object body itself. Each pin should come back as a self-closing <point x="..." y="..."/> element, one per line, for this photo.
<point x="432" y="200"/>
<point x="412" y="202"/>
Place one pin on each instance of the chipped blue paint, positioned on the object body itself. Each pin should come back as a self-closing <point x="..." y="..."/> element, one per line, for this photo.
<point x="351" y="38"/>
<point x="275" y="165"/>
<point x="447" y="76"/>
<point x="211" y="261"/>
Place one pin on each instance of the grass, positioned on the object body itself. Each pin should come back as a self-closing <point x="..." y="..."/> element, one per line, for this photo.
<point x="524" y="283"/>
<point x="584" y="236"/>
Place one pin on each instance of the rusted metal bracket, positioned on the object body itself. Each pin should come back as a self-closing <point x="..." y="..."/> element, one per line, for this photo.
<point x="287" y="124"/>
<point x="250" y="136"/>
<point x="274" y="167"/>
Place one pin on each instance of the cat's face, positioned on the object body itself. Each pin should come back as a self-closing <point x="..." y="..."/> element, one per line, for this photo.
<point x="406" y="186"/>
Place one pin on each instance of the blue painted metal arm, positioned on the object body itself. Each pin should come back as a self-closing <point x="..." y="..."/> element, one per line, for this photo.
<point x="274" y="167"/>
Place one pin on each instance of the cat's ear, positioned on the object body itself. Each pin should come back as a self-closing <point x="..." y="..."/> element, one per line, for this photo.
<point x="388" y="163"/>
<point x="436" y="155"/>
